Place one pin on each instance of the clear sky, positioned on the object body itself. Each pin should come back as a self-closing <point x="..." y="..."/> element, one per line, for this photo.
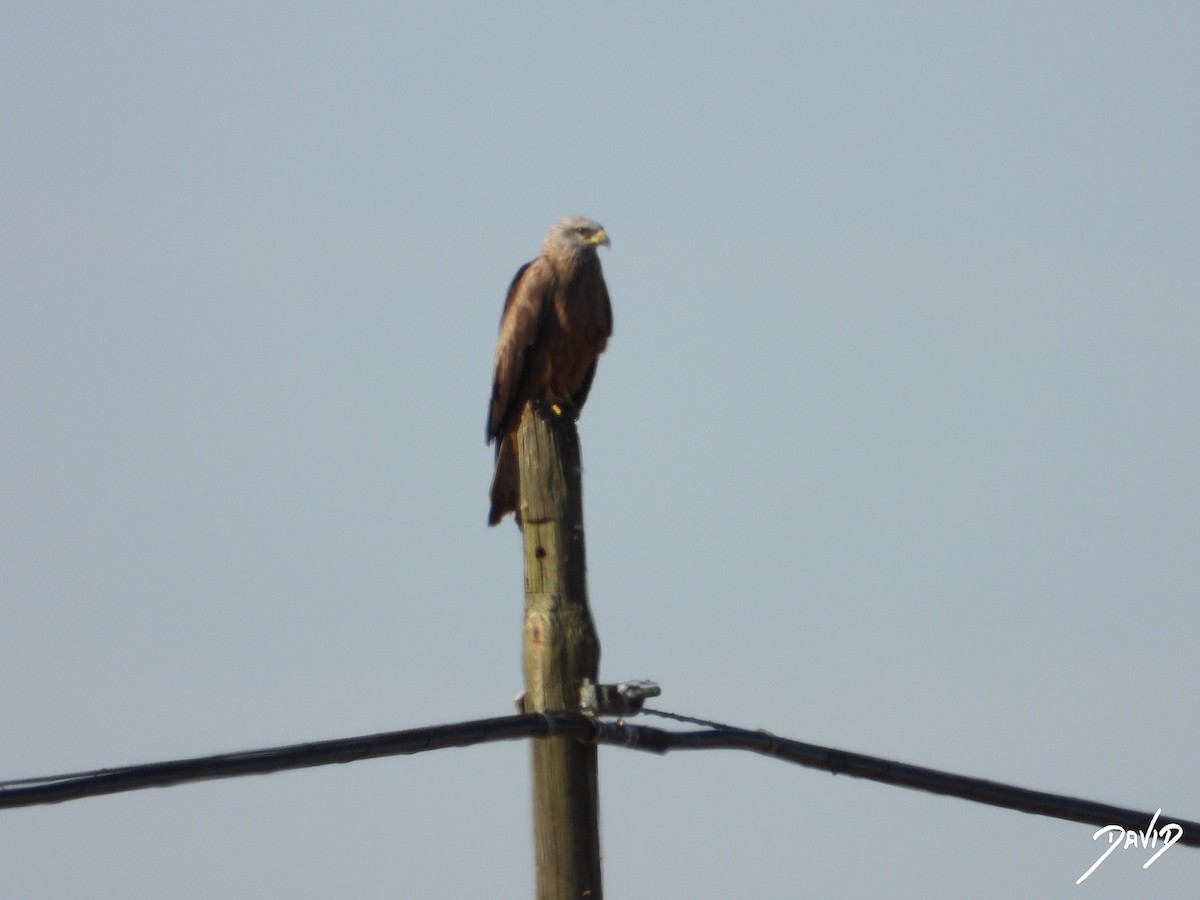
<point x="895" y="447"/>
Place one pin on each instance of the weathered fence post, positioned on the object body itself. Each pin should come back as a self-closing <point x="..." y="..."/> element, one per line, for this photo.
<point x="561" y="649"/>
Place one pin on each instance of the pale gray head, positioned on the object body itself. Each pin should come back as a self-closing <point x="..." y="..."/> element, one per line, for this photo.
<point x="574" y="234"/>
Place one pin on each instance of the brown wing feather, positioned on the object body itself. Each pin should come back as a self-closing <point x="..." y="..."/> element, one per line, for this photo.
<point x="579" y="397"/>
<point x="524" y="309"/>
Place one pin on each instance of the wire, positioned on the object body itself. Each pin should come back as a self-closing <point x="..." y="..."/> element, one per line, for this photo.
<point x="873" y="768"/>
<point x="691" y="720"/>
<point x="60" y="788"/>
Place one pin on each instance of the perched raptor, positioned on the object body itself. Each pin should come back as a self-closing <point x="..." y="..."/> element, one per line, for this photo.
<point x="556" y="322"/>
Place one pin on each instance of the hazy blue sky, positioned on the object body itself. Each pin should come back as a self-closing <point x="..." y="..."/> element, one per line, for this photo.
<point x="895" y="447"/>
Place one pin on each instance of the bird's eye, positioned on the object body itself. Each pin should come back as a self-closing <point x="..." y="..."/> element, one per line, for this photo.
<point x="581" y="229"/>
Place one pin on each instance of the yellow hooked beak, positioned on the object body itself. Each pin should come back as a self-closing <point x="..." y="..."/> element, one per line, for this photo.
<point x="599" y="238"/>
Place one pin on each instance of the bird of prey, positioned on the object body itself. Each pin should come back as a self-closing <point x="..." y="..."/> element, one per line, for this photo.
<point x="556" y="322"/>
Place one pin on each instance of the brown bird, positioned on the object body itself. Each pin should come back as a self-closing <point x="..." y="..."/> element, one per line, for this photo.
<point x="556" y="323"/>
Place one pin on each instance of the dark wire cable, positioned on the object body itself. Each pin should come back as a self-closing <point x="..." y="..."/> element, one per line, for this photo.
<point x="59" y="788"/>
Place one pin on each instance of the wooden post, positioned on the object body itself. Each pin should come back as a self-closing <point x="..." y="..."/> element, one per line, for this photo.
<point x="561" y="649"/>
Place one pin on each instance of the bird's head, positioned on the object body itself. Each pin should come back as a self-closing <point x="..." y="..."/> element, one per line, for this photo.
<point x="576" y="233"/>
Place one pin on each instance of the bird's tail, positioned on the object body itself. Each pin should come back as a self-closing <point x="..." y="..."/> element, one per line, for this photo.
<point x="505" y="479"/>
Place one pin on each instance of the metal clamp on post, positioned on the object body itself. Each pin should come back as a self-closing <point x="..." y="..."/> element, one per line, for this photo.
<point x="624" y="699"/>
